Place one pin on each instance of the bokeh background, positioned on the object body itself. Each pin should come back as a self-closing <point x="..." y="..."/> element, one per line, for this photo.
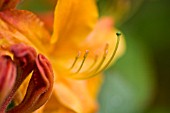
<point x="139" y="82"/>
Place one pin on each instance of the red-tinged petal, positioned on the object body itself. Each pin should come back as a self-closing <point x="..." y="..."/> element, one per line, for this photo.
<point x="8" y="4"/>
<point x="47" y="18"/>
<point x="24" y="57"/>
<point x="7" y="78"/>
<point x="23" y="26"/>
<point x="39" y="88"/>
<point x="74" y="19"/>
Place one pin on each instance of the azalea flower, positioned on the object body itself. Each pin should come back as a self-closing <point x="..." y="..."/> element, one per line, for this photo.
<point x="80" y="48"/>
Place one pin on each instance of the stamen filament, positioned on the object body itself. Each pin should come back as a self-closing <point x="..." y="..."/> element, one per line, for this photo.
<point x="84" y="58"/>
<point x="100" y="67"/>
<point x="114" y="52"/>
<point x="92" y="74"/>
<point x="103" y="58"/>
<point x="113" y="55"/>
<point x="76" y="58"/>
<point x="93" y="64"/>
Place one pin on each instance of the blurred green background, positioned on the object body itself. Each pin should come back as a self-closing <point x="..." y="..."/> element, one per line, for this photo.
<point x="139" y="82"/>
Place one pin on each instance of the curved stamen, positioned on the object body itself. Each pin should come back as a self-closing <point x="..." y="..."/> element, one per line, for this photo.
<point x="84" y="58"/>
<point x="94" y="62"/>
<point x="76" y="58"/>
<point x="91" y="74"/>
<point x="100" y="66"/>
<point x="114" y="52"/>
<point x="103" y="58"/>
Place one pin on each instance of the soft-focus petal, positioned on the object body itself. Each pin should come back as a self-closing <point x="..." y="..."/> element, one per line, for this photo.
<point x="8" y="4"/>
<point x="94" y="85"/>
<point x="74" y="19"/>
<point x="22" y="26"/>
<point x="7" y="77"/>
<point x="72" y="96"/>
<point x="47" y="18"/>
<point x="103" y="35"/>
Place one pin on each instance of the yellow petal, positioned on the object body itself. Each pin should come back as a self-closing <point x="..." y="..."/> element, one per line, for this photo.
<point x="66" y="97"/>
<point x="72" y="96"/>
<point x="102" y="35"/>
<point x="94" y="85"/>
<point x="74" y="19"/>
<point x="23" y="26"/>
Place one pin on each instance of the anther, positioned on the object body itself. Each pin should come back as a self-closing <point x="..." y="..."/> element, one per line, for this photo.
<point x="114" y="52"/>
<point x="84" y="58"/>
<point x="97" y="66"/>
<point x="76" y="58"/>
<point x="110" y="60"/>
<point x="118" y="34"/>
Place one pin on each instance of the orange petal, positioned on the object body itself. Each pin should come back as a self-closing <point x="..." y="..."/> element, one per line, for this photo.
<point x="8" y="4"/>
<point x="101" y="40"/>
<point x="67" y="98"/>
<point x="48" y="19"/>
<point x="104" y="34"/>
<point x="74" y="19"/>
<point x="23" y="26"/>
<point x="72" y="96"/>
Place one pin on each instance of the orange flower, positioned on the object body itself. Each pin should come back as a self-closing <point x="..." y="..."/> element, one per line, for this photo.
<point x="81" y="47"/>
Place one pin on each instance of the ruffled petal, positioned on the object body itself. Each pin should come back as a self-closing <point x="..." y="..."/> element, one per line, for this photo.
<point x="74" y="19"/>
<point x="22" y="26"/>
<point x="39" y="88"/>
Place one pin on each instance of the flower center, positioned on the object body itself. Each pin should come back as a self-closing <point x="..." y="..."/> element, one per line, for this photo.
<point x="77" y="70"/>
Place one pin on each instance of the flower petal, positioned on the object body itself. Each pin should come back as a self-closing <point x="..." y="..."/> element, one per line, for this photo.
<point x="24" y="57"/>
<point x="22" y="26"/>
<point x="7" y="77"/>
<point x="72" y="96"/>
<point x="103" y="36"/>
<point x="39" y="88"/>
<point x="74" y="19"/>
<point x="48" y="18"/>
<point x="8" y="4"/>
